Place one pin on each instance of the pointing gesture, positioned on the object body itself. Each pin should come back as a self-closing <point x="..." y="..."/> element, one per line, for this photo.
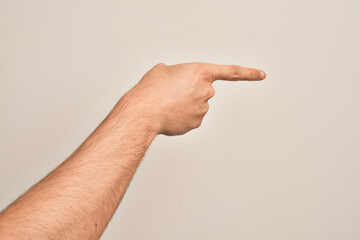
<point x="78" y="198"/>
<point x="174" y="98"/>
<point x="234" y="72"/>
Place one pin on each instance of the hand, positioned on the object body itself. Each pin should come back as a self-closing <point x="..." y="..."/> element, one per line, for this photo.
<point x="174" y="98"/>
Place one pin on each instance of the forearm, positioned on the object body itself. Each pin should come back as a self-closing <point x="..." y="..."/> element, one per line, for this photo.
<point x="77" y="199"/>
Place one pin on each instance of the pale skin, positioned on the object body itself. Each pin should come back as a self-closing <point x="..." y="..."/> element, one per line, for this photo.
<point x="78" y="198"/>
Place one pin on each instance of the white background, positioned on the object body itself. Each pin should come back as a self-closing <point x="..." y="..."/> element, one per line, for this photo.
<point x="277" y="159"/>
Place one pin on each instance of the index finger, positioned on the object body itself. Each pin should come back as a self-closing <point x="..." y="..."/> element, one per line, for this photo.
<point x="234" y="73"/>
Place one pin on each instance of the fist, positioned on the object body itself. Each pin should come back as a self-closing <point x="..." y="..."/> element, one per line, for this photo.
<point x="173" y="99"/>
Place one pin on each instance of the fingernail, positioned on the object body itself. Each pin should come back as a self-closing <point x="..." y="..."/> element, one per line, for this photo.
<point x="262" y="75"/>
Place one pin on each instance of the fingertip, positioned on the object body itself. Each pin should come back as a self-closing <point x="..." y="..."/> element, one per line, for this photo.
<point x="262" y="75"/>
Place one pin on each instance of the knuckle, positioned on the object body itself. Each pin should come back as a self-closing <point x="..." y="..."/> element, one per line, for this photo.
<point x="236" y="71"/>
<point x="206" y="108"/>
<point x="196" y="123"/>
<point x="204" y="75"/>
<point x="212" y="91"/>
<point x="209" y="92"/>
<point x="157" y="68"/>
<point x="198" y="70"/>
<point x="197" y="64"/>
<point x="161" y="64"/>
<point x="154" y="70"/>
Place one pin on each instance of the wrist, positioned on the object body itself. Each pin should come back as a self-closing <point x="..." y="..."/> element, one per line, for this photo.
<point x="123" y="130"/>
<point x="136" y="115"/>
